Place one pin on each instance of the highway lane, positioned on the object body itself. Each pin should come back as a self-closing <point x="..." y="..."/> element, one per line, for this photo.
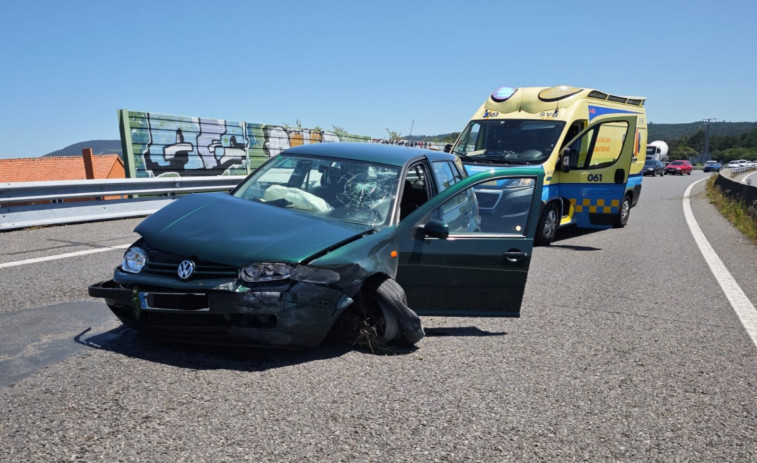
<point x="62" y="280"/>
<point x="627" y="350"/>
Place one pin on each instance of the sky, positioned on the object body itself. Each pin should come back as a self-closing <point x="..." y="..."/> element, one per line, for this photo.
<point x="368" y="67"/>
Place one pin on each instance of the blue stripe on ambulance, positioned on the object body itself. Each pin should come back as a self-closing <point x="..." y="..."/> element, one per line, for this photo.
<point x="596" y="111"/>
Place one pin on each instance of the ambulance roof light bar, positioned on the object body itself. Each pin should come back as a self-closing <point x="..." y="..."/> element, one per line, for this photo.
<point x="503" y="94"/>
<point x="558" y="93"/>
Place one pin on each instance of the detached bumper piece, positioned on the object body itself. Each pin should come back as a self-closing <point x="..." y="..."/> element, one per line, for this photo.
<point x="267" y="319"/>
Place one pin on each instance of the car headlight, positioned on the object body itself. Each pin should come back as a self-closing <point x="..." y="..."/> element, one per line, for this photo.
<point x="266" y="271"/>
<point x="315" y="275"/>
<point x="134" y="261"/>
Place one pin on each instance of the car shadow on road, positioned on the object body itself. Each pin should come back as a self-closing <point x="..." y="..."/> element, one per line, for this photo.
<point x="573" y="232"/>
<point x="125" y="341"/>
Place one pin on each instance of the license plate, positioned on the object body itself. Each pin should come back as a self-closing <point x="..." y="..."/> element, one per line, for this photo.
<point x="173" y="301"/>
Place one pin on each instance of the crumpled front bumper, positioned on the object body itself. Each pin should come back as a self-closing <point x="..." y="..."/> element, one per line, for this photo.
<point x="292" y="315"/>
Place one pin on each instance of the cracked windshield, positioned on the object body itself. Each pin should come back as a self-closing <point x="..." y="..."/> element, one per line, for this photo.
<point x="511" y="141"/>
<point x="351" y="191"/>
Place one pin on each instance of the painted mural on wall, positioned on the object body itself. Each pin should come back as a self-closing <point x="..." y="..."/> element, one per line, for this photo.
<point x="157" y="145"/>
<point x="410" y="143"/>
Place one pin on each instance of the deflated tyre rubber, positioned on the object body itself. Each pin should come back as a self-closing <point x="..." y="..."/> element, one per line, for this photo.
<point x="402" y="324"/>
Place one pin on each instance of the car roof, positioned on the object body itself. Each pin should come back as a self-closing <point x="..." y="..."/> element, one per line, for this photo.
<point x="395" y="155"/>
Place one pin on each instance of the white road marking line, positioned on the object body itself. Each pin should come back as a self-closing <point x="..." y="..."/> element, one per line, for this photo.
<point x="63" y="256"/>
<point x="745" y="181"/>
<point x="739" y="301"/>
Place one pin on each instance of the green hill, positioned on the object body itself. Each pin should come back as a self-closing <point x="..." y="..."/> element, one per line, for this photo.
<point x="98" y="147"/>
<point x="670" y="132"/>
<point x="665" y="132"/>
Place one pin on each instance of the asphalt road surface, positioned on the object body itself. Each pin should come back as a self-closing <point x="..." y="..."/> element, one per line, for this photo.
<point x="627" y="350"/>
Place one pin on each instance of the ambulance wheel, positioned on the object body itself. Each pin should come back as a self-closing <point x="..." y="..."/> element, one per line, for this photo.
<point x="624" y="212"/>
<point x="548" y="224"/>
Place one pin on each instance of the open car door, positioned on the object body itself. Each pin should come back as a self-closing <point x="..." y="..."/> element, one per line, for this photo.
<point x="466" y="252"/>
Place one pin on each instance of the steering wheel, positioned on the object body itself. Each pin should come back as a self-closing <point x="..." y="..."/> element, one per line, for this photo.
<point x="530" y="154"/>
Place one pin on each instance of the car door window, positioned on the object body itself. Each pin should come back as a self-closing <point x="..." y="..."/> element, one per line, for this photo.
<point x="415" y="190"/>
<point x="501" y="206"/>
<point x="446" y="175"/>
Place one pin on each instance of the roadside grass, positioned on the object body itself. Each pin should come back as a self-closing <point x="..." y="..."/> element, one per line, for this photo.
<point x="741" y="215"/>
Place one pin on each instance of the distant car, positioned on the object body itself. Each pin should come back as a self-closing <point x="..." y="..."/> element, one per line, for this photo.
<point x="712" y="166"/>
<point x="333" y="238"/>
<point x="733" y="165"/>
<point x="653" y="167"/>
<point x="679" y="168"/>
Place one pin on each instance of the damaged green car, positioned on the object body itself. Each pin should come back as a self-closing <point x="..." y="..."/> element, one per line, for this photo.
<point x="330" y="232"/>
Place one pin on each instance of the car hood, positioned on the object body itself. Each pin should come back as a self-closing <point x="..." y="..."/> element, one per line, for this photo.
<point x="221" y="228"/>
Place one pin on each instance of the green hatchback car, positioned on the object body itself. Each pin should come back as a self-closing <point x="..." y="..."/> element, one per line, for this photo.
<point x="331" y="239"/>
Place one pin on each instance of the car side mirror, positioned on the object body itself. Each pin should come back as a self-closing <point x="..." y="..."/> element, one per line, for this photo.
<point x="436" y="229"/>
<point x="565" y="160"/>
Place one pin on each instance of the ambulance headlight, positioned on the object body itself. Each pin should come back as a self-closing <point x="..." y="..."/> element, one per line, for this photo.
<point x="520" y="182"/>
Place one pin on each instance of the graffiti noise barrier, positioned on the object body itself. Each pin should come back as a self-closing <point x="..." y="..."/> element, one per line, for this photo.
<point x="158" y="145"/>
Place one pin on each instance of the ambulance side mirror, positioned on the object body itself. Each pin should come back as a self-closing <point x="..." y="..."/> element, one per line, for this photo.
<point x="565" y="160"/>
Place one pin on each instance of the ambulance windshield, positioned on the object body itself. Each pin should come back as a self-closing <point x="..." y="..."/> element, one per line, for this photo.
<point x="508" y="141"/>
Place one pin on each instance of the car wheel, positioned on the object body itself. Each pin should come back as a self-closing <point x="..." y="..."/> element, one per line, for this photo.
<point x="548" y="224"/>
<point x="379" y="318"/>
<point x="624" y="212"/>
<point x="391" y="299"/>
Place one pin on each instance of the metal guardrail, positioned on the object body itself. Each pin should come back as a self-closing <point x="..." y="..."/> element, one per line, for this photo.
<point x="31" y="204"/>
<point x="743" y="192"/>
<point x="737" y="170"/>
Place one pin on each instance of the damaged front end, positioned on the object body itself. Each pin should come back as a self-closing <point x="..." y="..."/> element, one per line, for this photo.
<point x="296" y="315"/>
<point x="176" y="298"/>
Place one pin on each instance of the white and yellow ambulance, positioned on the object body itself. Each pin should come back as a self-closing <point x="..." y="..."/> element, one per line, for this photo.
<point x="590" y="144"/>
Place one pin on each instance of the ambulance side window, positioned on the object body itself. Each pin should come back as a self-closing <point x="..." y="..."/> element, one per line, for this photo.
<point x="469" y="139"/>
<point x="575" y="128"/>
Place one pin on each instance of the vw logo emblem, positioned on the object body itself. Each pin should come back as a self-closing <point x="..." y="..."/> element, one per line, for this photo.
<point x="185" y="270"/>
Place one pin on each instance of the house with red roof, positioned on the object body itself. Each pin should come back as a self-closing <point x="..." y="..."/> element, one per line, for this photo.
<point x="52" y="168"/>
<point x="49" y="168"/>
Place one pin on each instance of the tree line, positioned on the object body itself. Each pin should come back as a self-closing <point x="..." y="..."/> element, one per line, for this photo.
<point x="728" y="140"/>
<point x="724" y="148"/>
